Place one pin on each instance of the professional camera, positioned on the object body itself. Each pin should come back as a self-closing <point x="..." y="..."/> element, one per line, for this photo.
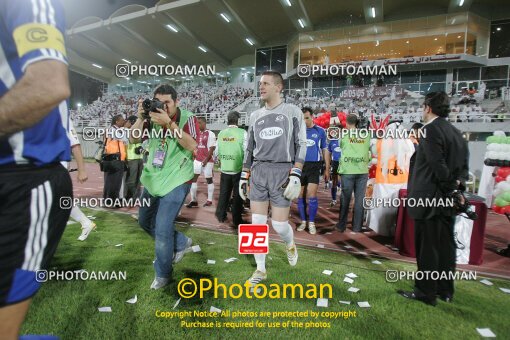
<point x="151" y="105"/>
<point x="462" y="208"/>
<point x="140" y="150"/>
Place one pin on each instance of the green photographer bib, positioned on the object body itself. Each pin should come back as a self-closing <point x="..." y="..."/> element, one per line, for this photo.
<point x="168" y="163"/>
<point x="355" y="155"/>
<point x="230" y="149"/>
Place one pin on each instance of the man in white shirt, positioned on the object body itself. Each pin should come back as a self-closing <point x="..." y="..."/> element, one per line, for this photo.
<point x="76" y="214"/>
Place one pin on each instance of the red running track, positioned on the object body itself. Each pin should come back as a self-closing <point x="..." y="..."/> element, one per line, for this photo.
<point x="361" y="244"/>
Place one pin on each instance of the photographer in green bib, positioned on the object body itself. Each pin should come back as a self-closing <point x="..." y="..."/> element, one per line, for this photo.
<point x="166" y="175"/>
<point x="355" y="145"/>
<point x="135" y="166"/>
<point x="231" y="144"/>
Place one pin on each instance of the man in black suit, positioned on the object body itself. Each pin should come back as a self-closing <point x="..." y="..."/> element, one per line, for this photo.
<point x="415" y="138"/>
<point x="441" y="166"/>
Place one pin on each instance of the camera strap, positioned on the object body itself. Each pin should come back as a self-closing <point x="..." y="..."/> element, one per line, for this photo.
<point x="160" y="154"/>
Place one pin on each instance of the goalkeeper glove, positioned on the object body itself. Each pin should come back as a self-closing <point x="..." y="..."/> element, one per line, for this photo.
<point x="292" y="185"/>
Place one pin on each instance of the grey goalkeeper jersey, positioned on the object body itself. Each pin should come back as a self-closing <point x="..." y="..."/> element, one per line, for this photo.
<point x="277" y="135"/>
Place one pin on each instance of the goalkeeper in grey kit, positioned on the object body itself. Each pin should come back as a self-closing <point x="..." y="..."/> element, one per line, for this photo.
<point x="272" y="165"/>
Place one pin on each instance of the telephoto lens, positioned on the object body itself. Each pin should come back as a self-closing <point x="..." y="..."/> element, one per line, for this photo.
<point x="151" y="105"/>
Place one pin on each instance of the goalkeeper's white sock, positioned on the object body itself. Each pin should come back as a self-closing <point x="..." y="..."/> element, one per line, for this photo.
<point x="285" y="231"/>
<point x="260" y="259"/>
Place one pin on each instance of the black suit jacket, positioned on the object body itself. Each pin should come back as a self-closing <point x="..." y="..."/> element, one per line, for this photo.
<point x="441" y="159"/>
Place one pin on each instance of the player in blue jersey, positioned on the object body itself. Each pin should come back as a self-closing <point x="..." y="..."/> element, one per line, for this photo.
<point x="34" y="125"/>
<point x="316" y="152"/>
<point x="335" y="152"/>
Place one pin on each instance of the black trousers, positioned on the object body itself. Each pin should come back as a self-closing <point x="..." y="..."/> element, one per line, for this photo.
<point x="135" y="168"/>
<point x="113" y="181"/>
<point x="435" y="251"/>
<point x="229" y="183"/>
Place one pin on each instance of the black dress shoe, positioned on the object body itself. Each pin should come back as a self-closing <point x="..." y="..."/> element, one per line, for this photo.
<point x="339" y="229"/>
<point x="413" y="296"/>
<point x="221" y="219"/>
<point x="446" y="298"/>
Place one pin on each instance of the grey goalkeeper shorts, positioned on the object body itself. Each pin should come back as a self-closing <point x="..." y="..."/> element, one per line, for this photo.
<point x="266" y="182"/>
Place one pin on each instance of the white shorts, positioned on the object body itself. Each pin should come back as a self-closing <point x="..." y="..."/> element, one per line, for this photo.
<point x="199" y="169"/>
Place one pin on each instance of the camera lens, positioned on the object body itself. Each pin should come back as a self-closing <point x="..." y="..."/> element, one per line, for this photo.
<point x="147" y="105"/>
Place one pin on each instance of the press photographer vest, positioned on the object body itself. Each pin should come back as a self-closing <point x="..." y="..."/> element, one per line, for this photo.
<point x="230" y="149"/>
<point x="114" y="146"/>
<point x="131" y="154"/>
<point x="178" y="162"/>
<point x="355" y="155"/>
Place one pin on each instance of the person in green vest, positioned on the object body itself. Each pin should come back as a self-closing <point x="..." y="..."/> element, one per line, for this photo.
<point x="135" y="166"/>
<point x="355" y="146"/>
<point x="166" y="177"/>
<point x="231" y="143"/>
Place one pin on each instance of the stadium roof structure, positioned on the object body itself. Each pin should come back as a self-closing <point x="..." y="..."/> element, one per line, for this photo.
<point x="226" y="33"/>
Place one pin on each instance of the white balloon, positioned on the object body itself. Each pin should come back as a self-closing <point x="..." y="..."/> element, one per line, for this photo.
<point x="505" y="186"/>
<point x="491" y="155"/>
<point x="492" y="147"/>
<point x="499" y="185"/>
<point x="496" y="192"/>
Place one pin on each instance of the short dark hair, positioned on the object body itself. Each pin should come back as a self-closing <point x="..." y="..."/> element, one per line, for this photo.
<point x="438" y="102"/>
<point x="351" y="119"/>
<point x="277" y="76"/>
<point x="116" y="118"/>
<point x="233" y="118"/>
<point x="166" y="89"/>
<point x="132" y="119"/>
<point x="202" y="118"/>
<point x="307" y="108"/>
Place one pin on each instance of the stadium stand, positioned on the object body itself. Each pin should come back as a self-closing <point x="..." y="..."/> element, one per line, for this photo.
<point x="216" y="101"/>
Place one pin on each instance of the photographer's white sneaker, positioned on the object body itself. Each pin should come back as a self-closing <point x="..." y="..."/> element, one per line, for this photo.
<point x="180" y="254"/>
<point x="159" y="282"/>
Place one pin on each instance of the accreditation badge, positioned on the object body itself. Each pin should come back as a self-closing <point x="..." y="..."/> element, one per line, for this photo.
<point x="159" y="158"/>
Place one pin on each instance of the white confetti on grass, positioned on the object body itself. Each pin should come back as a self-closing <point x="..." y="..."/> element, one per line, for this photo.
<point x="176" y="303"/>
<point x="322" y="302"/>
<point x="133" y="300"/>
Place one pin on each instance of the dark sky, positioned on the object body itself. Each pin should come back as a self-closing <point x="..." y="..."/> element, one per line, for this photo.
<point x="78" y="9"/>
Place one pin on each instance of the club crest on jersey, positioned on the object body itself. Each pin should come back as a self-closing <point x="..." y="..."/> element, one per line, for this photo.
<point x="314" y="135"/>
<point x="260" y="122"/>
<point x="271" y="133"/>
<point x="279" y="118"/>
<point x="310" y="142"/>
